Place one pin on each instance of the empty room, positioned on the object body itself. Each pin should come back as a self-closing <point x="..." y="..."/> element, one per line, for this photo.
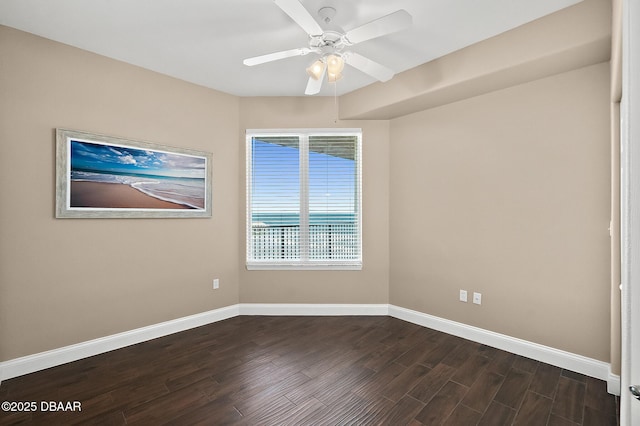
<point x="269" y="212"/>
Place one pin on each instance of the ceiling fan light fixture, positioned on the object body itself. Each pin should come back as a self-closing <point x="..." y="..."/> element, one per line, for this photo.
<point x="332" y="78"/>
<point x="335" y="64"/>
<point x="316" y="69"/>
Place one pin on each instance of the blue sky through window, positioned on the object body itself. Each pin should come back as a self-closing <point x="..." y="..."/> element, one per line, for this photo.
<point x="276" y="178"/>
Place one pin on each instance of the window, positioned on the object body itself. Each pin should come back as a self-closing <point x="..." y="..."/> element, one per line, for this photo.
<point x="303" y="199"/>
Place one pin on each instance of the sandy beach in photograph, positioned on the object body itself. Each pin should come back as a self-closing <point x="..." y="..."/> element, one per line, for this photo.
<point x="115" y="195"/>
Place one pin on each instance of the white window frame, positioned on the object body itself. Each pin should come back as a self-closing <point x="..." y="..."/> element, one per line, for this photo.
<point x="304" y="263"/>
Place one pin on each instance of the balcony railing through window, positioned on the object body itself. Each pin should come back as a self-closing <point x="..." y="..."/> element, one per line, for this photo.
<point x="331" y="241"/>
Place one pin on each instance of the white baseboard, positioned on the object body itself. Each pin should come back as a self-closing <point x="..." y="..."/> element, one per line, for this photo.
<point x="613" y="384"/>
<point x="40" y="361"/>
<point x="313" y="309"/>
<point x="559" y="358"/>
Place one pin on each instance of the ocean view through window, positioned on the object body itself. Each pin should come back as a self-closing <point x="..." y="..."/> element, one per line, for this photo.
<point x="303" y="199"/>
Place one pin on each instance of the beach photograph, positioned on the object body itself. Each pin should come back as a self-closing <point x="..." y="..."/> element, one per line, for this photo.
<point x="111" y="175"/>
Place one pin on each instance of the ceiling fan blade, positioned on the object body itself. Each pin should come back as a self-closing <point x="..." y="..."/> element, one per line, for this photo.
<point x="300" y="15"/>
<point x="388" y="24"/>
<point x="269" y="57"/>
<point x="313" y="85"/>
<point x="368" y="66"/>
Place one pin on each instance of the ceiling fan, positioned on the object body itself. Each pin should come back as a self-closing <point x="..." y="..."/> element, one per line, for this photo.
<point x="331" y="45"/>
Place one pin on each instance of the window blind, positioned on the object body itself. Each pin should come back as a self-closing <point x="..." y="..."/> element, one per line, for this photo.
<point x="303" y="199"/>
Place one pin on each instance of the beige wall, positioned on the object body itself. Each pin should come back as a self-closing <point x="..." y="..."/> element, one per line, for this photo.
<point x="64" y="281"/>
<point x="507" y="194"/>
<point x="370" y="285"/>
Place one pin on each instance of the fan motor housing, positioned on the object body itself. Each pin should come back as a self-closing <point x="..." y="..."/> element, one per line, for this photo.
<point x="331" y="39"/>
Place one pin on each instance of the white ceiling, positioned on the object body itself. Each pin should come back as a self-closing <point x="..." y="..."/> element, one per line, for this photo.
<point x="205" y="41"/>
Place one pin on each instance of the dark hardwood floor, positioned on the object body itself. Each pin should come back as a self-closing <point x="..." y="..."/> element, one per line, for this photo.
<point x="311" y="370"/>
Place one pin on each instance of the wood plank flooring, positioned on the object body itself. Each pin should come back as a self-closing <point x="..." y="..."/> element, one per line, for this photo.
<point x="311" y="370"/>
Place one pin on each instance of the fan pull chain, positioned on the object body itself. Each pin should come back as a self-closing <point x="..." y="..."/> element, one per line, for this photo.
<point x="335" y="101"/>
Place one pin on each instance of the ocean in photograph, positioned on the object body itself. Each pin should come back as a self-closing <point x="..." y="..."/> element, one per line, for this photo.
<point x="173" y="179"/>
<point x="186" y="191"/>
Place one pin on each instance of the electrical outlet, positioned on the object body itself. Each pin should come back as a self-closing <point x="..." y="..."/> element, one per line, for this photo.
<point x="216" y="284"/>
<point x="463" y="295"/>
<point x="477" y="298"/>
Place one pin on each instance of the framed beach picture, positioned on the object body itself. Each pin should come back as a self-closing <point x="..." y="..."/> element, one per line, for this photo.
<point x="107" y="177"/>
